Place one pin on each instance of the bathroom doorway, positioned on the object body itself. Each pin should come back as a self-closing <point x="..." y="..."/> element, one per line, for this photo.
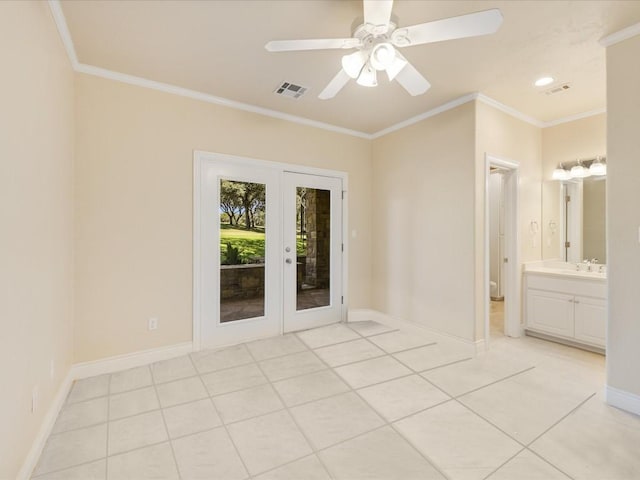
<point x="502" y="280"/>
<point x="496" y="251"/>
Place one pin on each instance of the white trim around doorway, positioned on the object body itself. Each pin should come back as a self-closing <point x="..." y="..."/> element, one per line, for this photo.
<point x="198" y="158"/>
<point x="512" y="281"/>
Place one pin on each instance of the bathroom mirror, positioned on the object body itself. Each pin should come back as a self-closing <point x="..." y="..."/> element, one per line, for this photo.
<point x="573" y="219"/>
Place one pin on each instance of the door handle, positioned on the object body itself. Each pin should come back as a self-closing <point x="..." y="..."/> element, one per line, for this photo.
<point x="288" y="260"/>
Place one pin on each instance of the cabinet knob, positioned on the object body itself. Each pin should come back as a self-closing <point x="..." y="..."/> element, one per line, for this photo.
<point x="576" y="301"/>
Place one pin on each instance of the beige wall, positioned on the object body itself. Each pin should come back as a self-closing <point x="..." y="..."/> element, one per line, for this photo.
<point x="567" y="142"/>
<point x="36" y="155"/>
<point x="506" y="137"/>
<point x="423" y="233"/>
<point x="623" y="214"/>
<point x="134" y="205"/>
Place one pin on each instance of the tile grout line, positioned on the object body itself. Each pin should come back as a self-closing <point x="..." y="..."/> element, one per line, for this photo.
<point x="528" y="446"/>
<point x="223" y="425"/>
<point x="563" y="417"/>
<point x="494" y="382"/>
<point x="504" y="463"/>
<point x="456" y="399"/>
<point x="164" y="422"/>
<point x="386" y="423"/>
<point x="286" y="408"/>
<point x="549" y="463"/>
<point x="421" y="372"/>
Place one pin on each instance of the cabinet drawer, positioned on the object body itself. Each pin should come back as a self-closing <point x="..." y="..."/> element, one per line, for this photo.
<point x="550" y="312"/>
<point x="586" y="287"/>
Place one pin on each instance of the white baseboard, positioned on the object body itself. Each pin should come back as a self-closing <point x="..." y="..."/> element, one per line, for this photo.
<point x="45" y="428"/>
<point x="90" y="369"/>
<point x="129" y="360"/>
<point x="623" y="400"/>
<point x="361" y="314"/>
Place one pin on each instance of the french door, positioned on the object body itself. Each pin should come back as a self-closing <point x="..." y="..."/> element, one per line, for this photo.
<point x="267" y="250"/>
<point x="312" y="250"/>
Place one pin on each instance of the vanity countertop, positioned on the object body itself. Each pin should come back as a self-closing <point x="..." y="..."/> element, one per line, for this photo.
<point x="567" y="271"/>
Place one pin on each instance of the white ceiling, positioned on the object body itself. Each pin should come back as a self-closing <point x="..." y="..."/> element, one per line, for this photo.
<point x="217" y="47"/>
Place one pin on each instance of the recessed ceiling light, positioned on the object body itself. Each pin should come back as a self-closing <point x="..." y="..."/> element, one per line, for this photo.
<point x="543" y="81"/>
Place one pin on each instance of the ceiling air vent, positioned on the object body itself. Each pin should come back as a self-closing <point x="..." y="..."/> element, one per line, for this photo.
<point x="287" y="89"/>
<point x="558" y="89"/>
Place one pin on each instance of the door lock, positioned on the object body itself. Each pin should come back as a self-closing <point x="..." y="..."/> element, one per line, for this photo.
<point x="288" y="260"/>
<point x="288" y="249"/>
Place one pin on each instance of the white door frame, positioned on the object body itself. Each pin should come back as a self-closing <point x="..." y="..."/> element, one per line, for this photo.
<point x="512" y="289"/>
<point x="199" y="157"/>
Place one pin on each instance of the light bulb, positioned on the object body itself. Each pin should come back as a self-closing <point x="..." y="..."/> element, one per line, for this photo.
<point x="352" y="64"/>
<point x="382" y="56"/>
<point x="368" y="77"/>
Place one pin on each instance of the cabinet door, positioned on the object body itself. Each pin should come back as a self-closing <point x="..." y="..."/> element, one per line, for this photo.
<point x="550" y="312"/>
<point x="591" y="320"/>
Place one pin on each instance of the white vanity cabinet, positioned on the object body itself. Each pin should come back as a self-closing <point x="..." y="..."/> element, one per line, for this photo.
<point x="568" y="308"/>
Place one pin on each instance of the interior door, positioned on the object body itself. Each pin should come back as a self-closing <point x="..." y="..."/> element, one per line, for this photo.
<point x="240" y="273"/>
<point x="312" y="250"/>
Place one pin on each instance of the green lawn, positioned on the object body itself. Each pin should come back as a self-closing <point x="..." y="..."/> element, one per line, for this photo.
<point x="250" y="243"/>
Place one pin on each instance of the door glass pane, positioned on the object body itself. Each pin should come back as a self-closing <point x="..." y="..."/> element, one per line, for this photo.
<point x="242" y="250"/>
<point x="313" y="242"/>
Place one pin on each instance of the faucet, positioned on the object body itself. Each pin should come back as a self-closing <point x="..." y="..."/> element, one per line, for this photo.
<point x="588" y="264"/>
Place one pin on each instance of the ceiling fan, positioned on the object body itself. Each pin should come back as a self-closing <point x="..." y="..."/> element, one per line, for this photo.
<point x="376" y="42"/>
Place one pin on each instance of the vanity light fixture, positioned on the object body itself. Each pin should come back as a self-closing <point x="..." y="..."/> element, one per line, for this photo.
<point x="561" y="174"/>
<point x="579" y="171"/>
<point x="598" y="168"/>
<point x="543" y="81"/>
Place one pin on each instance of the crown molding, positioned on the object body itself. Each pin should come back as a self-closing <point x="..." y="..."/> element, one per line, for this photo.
<point x="205" y="97"/>
<point x="621" y="35"/>
<point x="63" y="31"/>
<point x="510" y="111"/>
<point x="572" y="118"/>
<point x="65" y="35"/>
<point x="423" y="116"/>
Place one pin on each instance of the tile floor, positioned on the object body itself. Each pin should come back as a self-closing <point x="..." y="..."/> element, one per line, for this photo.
<point x="349" y="401"/>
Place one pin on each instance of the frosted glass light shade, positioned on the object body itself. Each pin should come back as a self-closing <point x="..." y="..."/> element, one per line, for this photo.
<point x="352" y="64"/>
<point x="561" y="174"/>
<point x="382" y="56"/>
<point x="368" y="77"/>
<point x="598" y="168"/>
<point x="580" y="172"/>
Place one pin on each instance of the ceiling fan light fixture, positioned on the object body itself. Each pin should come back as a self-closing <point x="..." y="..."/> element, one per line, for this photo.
<point x="368" y="77"/>
<point x="352" y="64"/>
<point x="382" y="56"/>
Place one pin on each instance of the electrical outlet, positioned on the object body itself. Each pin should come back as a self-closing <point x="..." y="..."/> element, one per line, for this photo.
<point x="153" y="323"/>
<point x="34" y="400"/>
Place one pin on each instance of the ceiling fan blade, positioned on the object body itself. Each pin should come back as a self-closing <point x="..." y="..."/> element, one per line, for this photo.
<point x="335" y="85"/>
<point x="412" y="80"/>
<point x="470" y="25"/>
<point x="312" y="44"/>
<point x="378" y="14"/>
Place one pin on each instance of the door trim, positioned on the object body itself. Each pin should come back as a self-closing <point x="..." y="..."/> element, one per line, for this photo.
<point x="512" y="290"/>
<point x="199" y="157"/>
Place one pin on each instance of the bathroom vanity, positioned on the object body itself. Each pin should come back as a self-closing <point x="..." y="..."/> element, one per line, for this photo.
<point x="566" y="303"/>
